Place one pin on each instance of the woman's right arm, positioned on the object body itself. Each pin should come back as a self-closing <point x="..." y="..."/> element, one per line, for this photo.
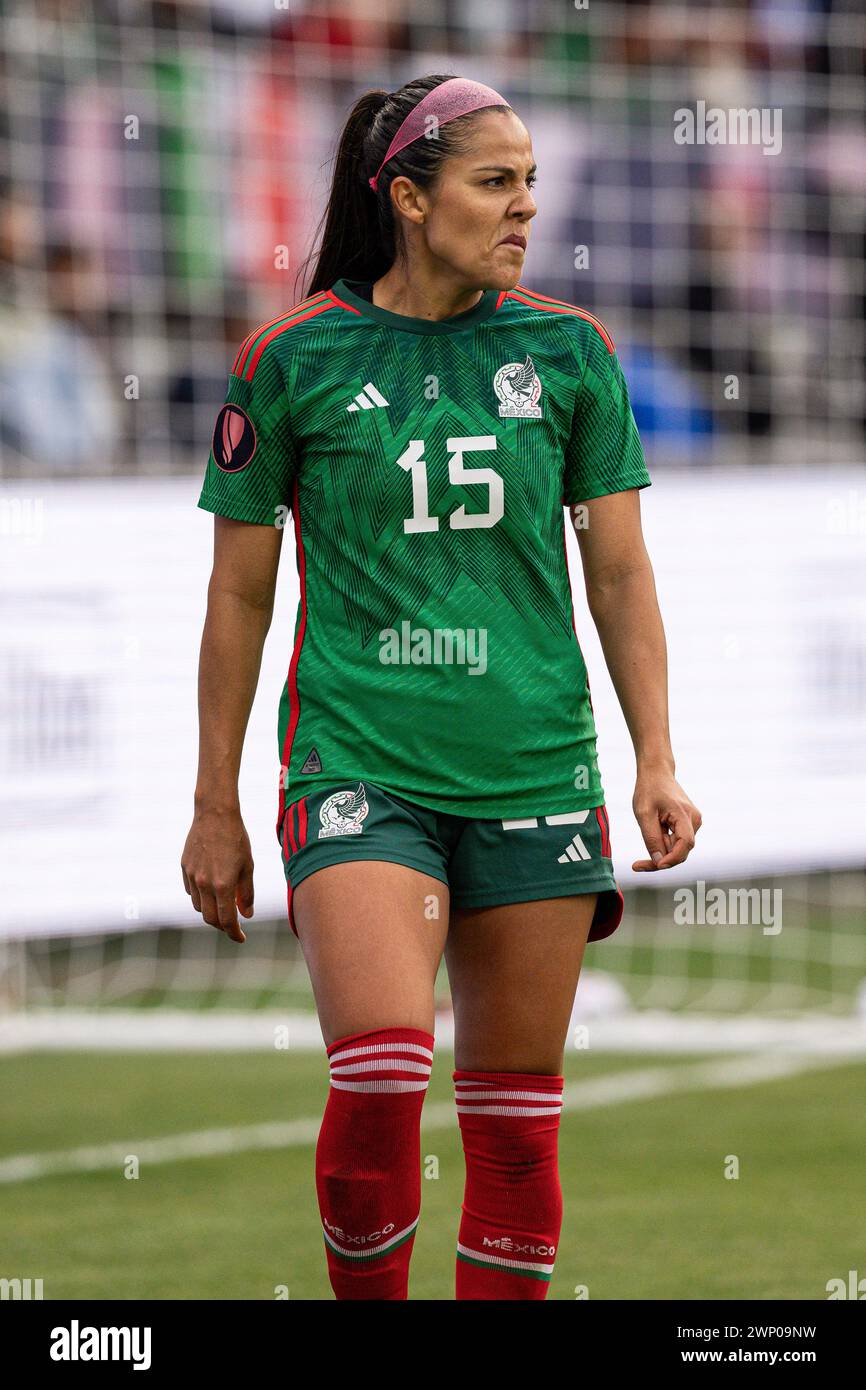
<point x="217" y="862"/>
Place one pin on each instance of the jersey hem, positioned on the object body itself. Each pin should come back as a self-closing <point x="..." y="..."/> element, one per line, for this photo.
<point x="488" y="810"/>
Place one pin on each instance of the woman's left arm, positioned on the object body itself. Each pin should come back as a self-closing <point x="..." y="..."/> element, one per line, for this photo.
<point x="621" y="595"/>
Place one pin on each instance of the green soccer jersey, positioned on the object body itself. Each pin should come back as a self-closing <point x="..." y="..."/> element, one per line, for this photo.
<point x="425" y="466"/>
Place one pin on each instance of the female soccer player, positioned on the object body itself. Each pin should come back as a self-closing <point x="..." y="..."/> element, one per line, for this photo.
<point x="425" y="418"/>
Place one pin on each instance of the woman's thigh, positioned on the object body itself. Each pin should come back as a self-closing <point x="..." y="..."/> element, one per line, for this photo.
<point x="372" y="934"/>
<point x="514" y="971"/>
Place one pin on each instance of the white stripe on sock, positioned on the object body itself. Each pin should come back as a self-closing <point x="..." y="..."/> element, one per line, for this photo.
<point x="381" y="1085"/>
<point x="501" y="1262"/>
<point x="373" y="1249"/>
<point x="422" y="1068"/>
<point x="379" y="1049"/>
<point x="509" y="1110"/>
<point x="551" y="1096"/>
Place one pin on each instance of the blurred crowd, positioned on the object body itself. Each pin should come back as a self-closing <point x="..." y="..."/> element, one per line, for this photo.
<point x="164" y="166"/>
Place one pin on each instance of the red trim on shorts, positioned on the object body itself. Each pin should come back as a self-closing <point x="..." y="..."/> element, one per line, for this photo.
<point x="295" y="826"/>
<point x="294" y="841"/>
<point x="286" y="828"/>
<point x="606" y="919"/>
<point x="603" y="926"/>
<point x="604" y="825"/>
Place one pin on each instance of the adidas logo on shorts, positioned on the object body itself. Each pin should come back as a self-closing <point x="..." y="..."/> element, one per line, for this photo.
<point x="576" y="850"/>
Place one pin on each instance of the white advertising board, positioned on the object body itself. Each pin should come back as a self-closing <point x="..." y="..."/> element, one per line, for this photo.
<point x="760" y="576"/>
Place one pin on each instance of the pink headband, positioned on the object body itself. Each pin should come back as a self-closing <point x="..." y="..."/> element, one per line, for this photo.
<point x="456" y="97"/>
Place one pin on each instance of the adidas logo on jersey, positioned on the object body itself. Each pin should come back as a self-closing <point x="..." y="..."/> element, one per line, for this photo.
<point x="368" y="399"/>
<point x="312" y="762"/>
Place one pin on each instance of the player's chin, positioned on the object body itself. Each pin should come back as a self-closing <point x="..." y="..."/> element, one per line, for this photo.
<point x="506" y="270"/>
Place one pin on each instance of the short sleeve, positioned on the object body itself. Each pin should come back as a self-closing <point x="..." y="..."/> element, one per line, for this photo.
<point x="252" y="463"/>
<point x="604" y="452"/>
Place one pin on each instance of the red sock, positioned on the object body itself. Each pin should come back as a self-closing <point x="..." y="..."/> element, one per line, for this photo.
<point x="512" y="1205"/>
<point x="368" y="1160"/>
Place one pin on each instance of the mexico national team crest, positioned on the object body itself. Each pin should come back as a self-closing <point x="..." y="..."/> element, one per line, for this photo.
<point x="344" y="813"/>
<point x="518" y="387"/>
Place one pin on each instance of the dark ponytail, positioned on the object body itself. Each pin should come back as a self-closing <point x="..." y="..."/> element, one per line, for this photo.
<point x="357" y="239"/>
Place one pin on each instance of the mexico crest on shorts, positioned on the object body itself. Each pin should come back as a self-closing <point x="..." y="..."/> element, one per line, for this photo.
<point x="518" y="387"/>
<point x="344" y="813"/>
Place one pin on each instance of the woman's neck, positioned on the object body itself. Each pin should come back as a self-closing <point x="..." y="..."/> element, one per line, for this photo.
<point x="423" y="295"/>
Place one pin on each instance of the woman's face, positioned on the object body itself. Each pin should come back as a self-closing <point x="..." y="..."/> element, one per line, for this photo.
<point x="476" y="217"/>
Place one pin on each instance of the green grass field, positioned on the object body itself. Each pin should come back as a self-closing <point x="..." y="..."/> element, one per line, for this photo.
<point x="648" y="1211"/>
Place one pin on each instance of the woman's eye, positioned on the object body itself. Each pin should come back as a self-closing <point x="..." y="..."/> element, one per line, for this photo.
<point x="499" y="179"/>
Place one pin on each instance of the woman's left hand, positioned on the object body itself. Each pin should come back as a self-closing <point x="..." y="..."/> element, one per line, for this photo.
<point x="668" y="820"/>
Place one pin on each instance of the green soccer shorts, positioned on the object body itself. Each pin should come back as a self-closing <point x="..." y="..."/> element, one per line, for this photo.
<point x="483" y="862"/>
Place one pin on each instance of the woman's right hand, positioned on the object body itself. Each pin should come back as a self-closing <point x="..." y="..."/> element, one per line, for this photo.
<point x="217" y="867"/>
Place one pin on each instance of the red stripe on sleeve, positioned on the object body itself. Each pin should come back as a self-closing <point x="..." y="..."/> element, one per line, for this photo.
<point x="560" y="308"/>
<point x="250" y="369"/>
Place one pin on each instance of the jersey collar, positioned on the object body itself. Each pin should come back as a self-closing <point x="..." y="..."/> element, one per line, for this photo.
<point x="487" y="304"/>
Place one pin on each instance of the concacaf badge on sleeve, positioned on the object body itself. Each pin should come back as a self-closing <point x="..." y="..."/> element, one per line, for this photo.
<point x="234" y="439"/>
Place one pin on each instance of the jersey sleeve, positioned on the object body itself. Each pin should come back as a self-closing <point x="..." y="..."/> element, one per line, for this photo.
<point x="604" y="452"/>
<point x="253" y="462"/>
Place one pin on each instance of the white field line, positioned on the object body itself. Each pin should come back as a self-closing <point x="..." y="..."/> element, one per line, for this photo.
<point x="618" y="1089"/>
